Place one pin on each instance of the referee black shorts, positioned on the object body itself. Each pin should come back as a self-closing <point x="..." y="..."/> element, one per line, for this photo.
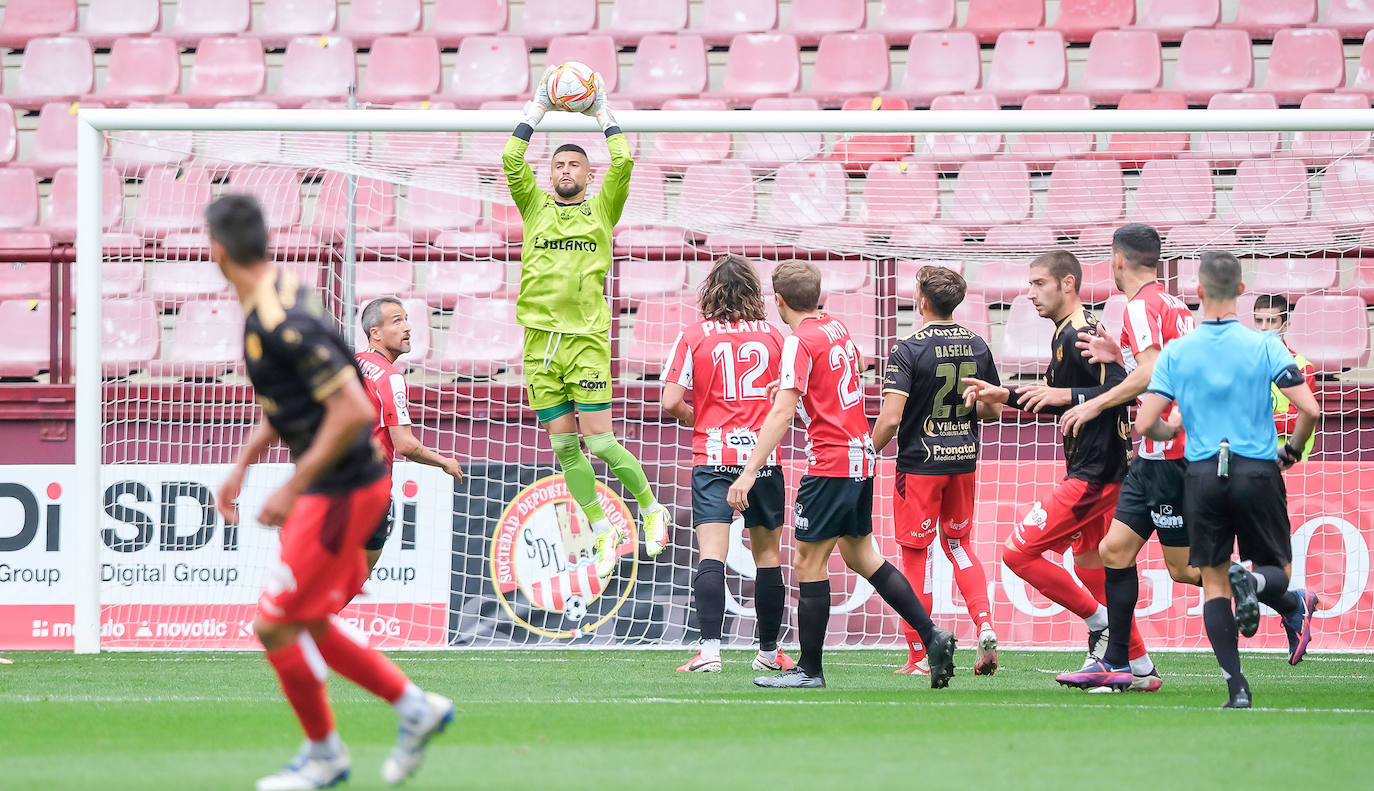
<point x="377" y="540"/>
<point x="833" y="508"/>
<point x="1248" y="509"/>
<point x="710" y="484"/>
<point x="1151" y="500"/>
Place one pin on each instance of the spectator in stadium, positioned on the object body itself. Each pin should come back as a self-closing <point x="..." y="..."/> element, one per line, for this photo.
<point x="1271" y="315"/>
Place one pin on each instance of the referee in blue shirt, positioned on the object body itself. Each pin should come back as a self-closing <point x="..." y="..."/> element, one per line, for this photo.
<point x="1233" y="491"/>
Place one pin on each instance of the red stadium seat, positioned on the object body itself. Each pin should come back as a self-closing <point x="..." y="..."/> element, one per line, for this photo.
<point x="450" y="280"/>
<point x="543" y="20"/>
<point x="53" y="70"/>
<point x="1350" y="18"/>
<point x="1026" y="62"/>
<point x="171" y="199"/>
<point x="847" y="65"/>
<point x="1081" y="20"/>
<point x="19" y="210"/>
<point x="54" y="141"/>
<point x="717" y="193"/>
<point x="1269" y="192"/>
<point x="199" y="19"/>
<point x="657" y="323"/>
<point x="1331" y="331"/>
<point x="1363" y="80"/>
<point x="1300" y="239"/>
<point x="370" y="19"/>
<point x="1025" y="340"/>
<point x="25" y="322"/>
<point x="808" y="193"/>
<point x="277" y="189"/>
<point x="812" y="20"/>
<point x="597" y="51"/>
<point x="9" y="134"/>
<point x="1174" y="192"/>
<point x="633" y="19"/>
<point x="1083" y="193"/>
<point x="136" y="150"/>
<point x="990" y="193"/>
<point x="722" y="20"/>
<point x="1211" y="62"/>
<point x="489" y="68"/>
<point x="60" y="221"/>
<point x="1134" y="148"/>
<point x="130" y="335"/>
<point x="476" y="244"/>
<point x="939" y="63"/>
<point x="450" y="204"/>
<point x="225" y="69"/>
<point x="452" y="21"/>
<point x="1304" y="61"/>
<point x="1347" y="194"/>
<point x="1362" y="284"/>
<point x="1121" y="62"/>
<point x="401" y="68"/>
<point x="1173" y="18"/>
<point x="34" y="19"/>
<point x="899" y="20"/>
<point x="775" y="148"/>
<point x="282" y="20"/>
<point x="107" y="20"/>
<point x="206" y="340"/>
<point x="374" y="205"/>
<point x="316" y="67"/>
<point x="1225" y="149"/>
<point x="988" y="19"/>
<point x="759" y="65"/>
<point x="683" y="148"/>
<point x="483" y="338"/>
<point x="858" y="312"/>
<point x="1041" y="150"/>
<point x="142" y="69"/>
<point x="949" y="149"/>
<point x="1264" y="18"/>
<point x="666" y="67"/>
<point x="858" y="151"/>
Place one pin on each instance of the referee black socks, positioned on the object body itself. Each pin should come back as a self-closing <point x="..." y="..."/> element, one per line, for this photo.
<point x="1274" y="590"/>
<point x="897" y="592"/>
<point x="769" y="597"/>
<point x="1123" y="589"/>
<point x="1220" y="621"/>
<point x="813" y="616"/>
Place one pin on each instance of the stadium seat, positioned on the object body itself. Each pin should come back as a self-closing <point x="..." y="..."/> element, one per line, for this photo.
<point x="1269" y="192"/>
<point x="757" y="66"/>
<point x="858" y="311"/>
<point x="808" y="193"/>
<point x="1083" y="193"/>
<point x="282" y="20"/>
<point x="1363" y="81"/>
<point x="1174" y="192"/>
<point x="206" y="340"/>
<point x="774" y="148"/>
<point x="844" y="275"/>
<point x="899" y="20"/>
<point x="722" y="20"/>
<point x="1000" y="281"/>
<point x="1320" y="149"/>
<point x="136" y="150"/>
<point x="225" y="69"/>
<point x="60" y="220"/>
<point x="1026" y="62"/>
<point x="1332" y="331"/>
<point x="1020" y="237"/>
<point x="141" y="70"/>
<point x="374" y="205"/>
<point x="1211" y="62"/>
<point x="848" y="65"/>
<point x="482" y="339"/>
<point x="19" y="210"/>
<point x="1097" y="285"/>
<point x="812" y="20"/>
<point x="1303" y="239"/>
<point x="1113" y="315"/>
<point x="597" y="51"/>
<point x="1304" y="61"/>
<point x="171" y="199"/>
<point x="54" y="70"/>
<point x="543" y="20"/>
<point x="217" y="150"/>
<point x="401" y="68"/>
<point x="1025" y="340"/>
<point x="25" y="322"/>
<point x="26" y="279"/>
<point x="1362" y="280"/>
<point x="632" y="19"/>
<point x="674" y="150"/>
<point x="947" y="150"/>
<point x="187" y="273"/>
<point x="1225" y="149"/>
<point x="858" y="151"/>
<point x="277" y="189"/>
<point x="200" y="19"/>
<point x="1121" y="62"/>
<point x="489" y="68"/>
<point x="661" y="243"/>
<point x="1293" y="277"/>
<point x="647" y="202"/>
<point x="1132" y="149"/>
<point x="657" y="323"/>
<point x="130" y="335"/>
<point x="107" y="20"/>
<point x="9" y="134"/>
<point x="938" y="63"/>
<point x="452" y="21"/>
<point x="370" y="19"/>
<point x="717" y="193"/>
<point x="639" y="279"/>
<point x="450" y="280"/>
<point x="34" y="19"/>
<point x="666" y="67"/>
<point x="451" y="203"/>
<point x="482" y="150"/>
<point x="413" y="151"/>
<point x="1041" y="150"/>
<point x="1350" y="18"/>
<point x="925" y="238"/>
<point x="990" y="193"/>
<point x="54" y="141"/>
<point x="1172" y="19"/>
<point x="481" y="243"/>
<point x="1185" y="242"/>
<point x="988" y="19"/>
<point x="909" y="270"/>
<point x="1081" y="20"/>
<point x="1265" y="18"/>
<point x="1347" y="194"/>
<point x="381" y="272"/>
<point x="316" y="67"/>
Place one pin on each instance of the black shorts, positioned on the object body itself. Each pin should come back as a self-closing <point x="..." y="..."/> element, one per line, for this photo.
<point x="1248" y="509"/>
<point x="1151" y="500"/>
<point x="377" y="540"/>
<point x="833" y="507"/>
<point x="710" y="483"/>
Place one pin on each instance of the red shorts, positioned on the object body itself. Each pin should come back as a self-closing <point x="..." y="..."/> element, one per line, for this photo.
<point x="1077" y="514"/>
<point x="923" y="502"/>
<point x="323" y="564"/>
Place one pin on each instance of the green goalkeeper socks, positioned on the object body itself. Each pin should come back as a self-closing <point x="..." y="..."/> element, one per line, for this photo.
<point x="577" y="471"/>
<point x="623" y="465"/>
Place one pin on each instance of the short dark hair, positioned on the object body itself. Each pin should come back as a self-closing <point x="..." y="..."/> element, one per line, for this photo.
<point x="235" y="222"/>
<point x="372" y="313"/>
<point x="571" y="147"/>
<point x="798" y="283"/>
<point x="1219" y="274"/>
<point x="1268" y="301"/>
<point x="1061" y="264"/>
<point x="731" y="291"/>
<point x="942" y="287"/>
<point x="1138" y="243"/>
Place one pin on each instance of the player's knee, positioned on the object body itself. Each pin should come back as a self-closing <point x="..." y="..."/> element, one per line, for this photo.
<point x="1015" y="558"/>
<point x="1188" y="575"/>
<point x="602" y="445"/>
<point x="271" y="634"/>
<point x="564" y="444"/>
<point x="1116" y="551"/>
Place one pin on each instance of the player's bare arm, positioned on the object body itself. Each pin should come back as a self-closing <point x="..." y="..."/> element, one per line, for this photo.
<point x="770" y="436"/>
<point x="259" y="440"/>
<point x="408" y="445"/>
<point x="1149" y="420"/>
<point x="889" y="419"/>
<point x="1130" y="388"/>
<point x="674" y="402"/>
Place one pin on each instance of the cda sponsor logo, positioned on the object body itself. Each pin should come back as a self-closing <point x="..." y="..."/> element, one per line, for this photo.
<point x="545" y="550"/>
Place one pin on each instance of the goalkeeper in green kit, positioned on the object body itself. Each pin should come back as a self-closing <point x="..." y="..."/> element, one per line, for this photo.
<point x="562" y="306"/>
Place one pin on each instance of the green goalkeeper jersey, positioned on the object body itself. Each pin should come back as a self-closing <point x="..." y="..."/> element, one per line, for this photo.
<point x="567" y="249"/>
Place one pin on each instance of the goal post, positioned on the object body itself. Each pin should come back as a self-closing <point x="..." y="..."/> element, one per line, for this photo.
<point x="500" y="560"/>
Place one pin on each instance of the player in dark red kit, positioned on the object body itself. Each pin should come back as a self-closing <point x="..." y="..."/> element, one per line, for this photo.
<point x="937" y="451"/>
<point x="726" y="360"/>
<point x="819" y="377"/>
<point x="312" y="398"/>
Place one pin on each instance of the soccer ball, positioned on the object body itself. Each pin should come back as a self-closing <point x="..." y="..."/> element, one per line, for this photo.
<point x="575" y="609"/>
<point x="572" y="86"/>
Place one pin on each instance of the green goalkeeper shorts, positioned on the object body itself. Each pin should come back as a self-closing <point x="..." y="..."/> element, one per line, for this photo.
<point x="564" y="369"/>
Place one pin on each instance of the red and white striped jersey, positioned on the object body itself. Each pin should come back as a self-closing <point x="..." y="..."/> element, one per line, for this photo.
<point x="727" y="366"/>
<point x="387" y="389"/>
<point x="820" y="361"/>
<point x="1154" y="318"/>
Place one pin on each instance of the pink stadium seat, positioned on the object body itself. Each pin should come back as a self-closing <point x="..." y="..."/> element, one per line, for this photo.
<point x="282" y="20"/>
<point x="9" y="134"/>
<point x="1331" y="331"/>
<point x="1300" y="238"/>
<point x="811" y="20"/>
<point x="483" y="338"/>
<point x="808" y="193"/>
<point x="1350" y="18"/>
<point x="188" y="274"/>
<point x="25" y="322"/>
<point x="451" y="204"/>
<point x="1269" y="192"/>
<point x="476" y="244"/>
<point x="450" y="280"/>
<point x="949" y="149"/>
<point x="858" y="151"/>
<point x="225" y="69"/>
<point x="1026" y="62"/>
<point x="849" y="64"/>
<point x="26" y="279"/>
<point x="489" y="68"/>
<point x="1211" y="62"/>
<point x="1174" y="192"/>
<point x="657" y="323"/>
<point x="1097" y="284"/>
<point x="1113" y="315"/>
<point x="1083" y="193"/>
<point x="1319" y="149"/>
<point x="401" y="68"/>
<point x="277" y="189"/>
<point x="1185" y="242"/>
<point x="633" y="19"/>
<point x="990" y="193"/>
<point x="374" y="205"/>
<point x="1362" y="283"/>
<point x="199" y="19"/>
<point x="666" y="243"/>
<point x="844" y="275"/>
<point x="1134" y="148"/>
<point x="1225" y="149"/>
<point x="33" y="19"/>
<point x="54" y="69"/>
<point x="452" y="21"/>
<point x="369" y="19"/>
<point x="1347" y="194"/>
<point x="990" y="18"/>
<point x="597" y="51"/>
<point x="60" y="221"/>
<point x="171" y="199"/>
<point x="130" y="335"/>
<point x="482" y="150"/>
<point x="717" y="193"/>
<point x="543" y="20"/>
<point x="316" y="67"/>
<point x="972" y="314"/>
<point x="1081" y="20"/>
<point x="1025" y="340"/>
<point x="900" y="19"/>
<point x="647" y="203"/>
<point x="999" y="281"/>
<point x="386" y="276"/>
<point x="938" y="63"/>
<point x="1173" y="18"/>
<point x="416" y="150"/>
<point x="107" y="20"/>
<point x="639" y="280"/>
<point x="722" y="20"/>
<point x="683" y="148"/>
<point x="1120" y="62"/>
<point x="135" y="151"/>
<point x="667" y="67"/>
<point x="1363" y="80"/>
<point x="142" y="69"/>
<point x="898" y="194"/>
<point x="1264" y="18"/>
<point x="206" y="340"/>
<point x="1304" y="61"/>
<point x="1040" y="151"/>
<point x="217" y="149"/>
<point x="54" y="141"/>
<point x="858" y="311"/>
<point x="774" y="148"/>
<point x="759" y="65"/>
<point x="1293" y="277"/>
<point x="19" y="210"/>
<point x="1020" y="237"/>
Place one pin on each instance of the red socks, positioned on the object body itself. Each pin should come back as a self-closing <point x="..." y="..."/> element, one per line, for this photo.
<point x="915" y="566"/>
<point x="972" y="582"/>
<point x="1052" y="580"/>
<point x="304" y="689"/>
<point x="364" y="666"/>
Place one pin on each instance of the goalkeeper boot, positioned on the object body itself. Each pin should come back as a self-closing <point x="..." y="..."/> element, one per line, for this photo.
<point x="656" y="522"/>
<point x="701" y="664"/>
<point x="773" y="660"/>
<point x="1239" y="700"/>
<point x="1247" y="601"/>
<point x="412" y="737"/>
<point x="309" y="770"/>
<point x="796" y="678"/>
<point x="986" y="663"/>
<point x="1298" y="625"/>
<point x="1097" y="673"/>
<point x="940" y="652"/>
<point x="608" y="545"/>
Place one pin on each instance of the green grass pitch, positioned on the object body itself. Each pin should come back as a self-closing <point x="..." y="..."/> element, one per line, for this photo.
<point x="624" y="720"/>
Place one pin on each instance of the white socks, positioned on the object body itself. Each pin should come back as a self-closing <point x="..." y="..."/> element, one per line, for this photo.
<point x="1142" y="665"/>
<point x="1259" y="581"/>
<point x="600" y="526"/>
<point x="710" y="648"/>
<point x="328" y="747"/>
<point x="412" y="704"/>
<point x="1097" y="620"/>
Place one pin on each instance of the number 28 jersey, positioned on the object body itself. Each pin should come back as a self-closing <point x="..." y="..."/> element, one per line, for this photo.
<point x="727" y="366"/>
<point x="820" y="361"/>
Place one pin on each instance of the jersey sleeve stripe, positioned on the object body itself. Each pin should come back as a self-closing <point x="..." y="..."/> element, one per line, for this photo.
<point x="331" y="385"/>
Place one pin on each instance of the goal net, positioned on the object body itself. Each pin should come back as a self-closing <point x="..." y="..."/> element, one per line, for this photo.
<point x="363" y="205"/>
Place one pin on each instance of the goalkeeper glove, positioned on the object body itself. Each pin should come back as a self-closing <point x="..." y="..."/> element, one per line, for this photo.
<point x="540" y="104"/>
<point x="599" y="109"/>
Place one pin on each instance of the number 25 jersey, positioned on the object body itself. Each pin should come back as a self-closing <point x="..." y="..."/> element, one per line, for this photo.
<point x="820" y="361"/>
